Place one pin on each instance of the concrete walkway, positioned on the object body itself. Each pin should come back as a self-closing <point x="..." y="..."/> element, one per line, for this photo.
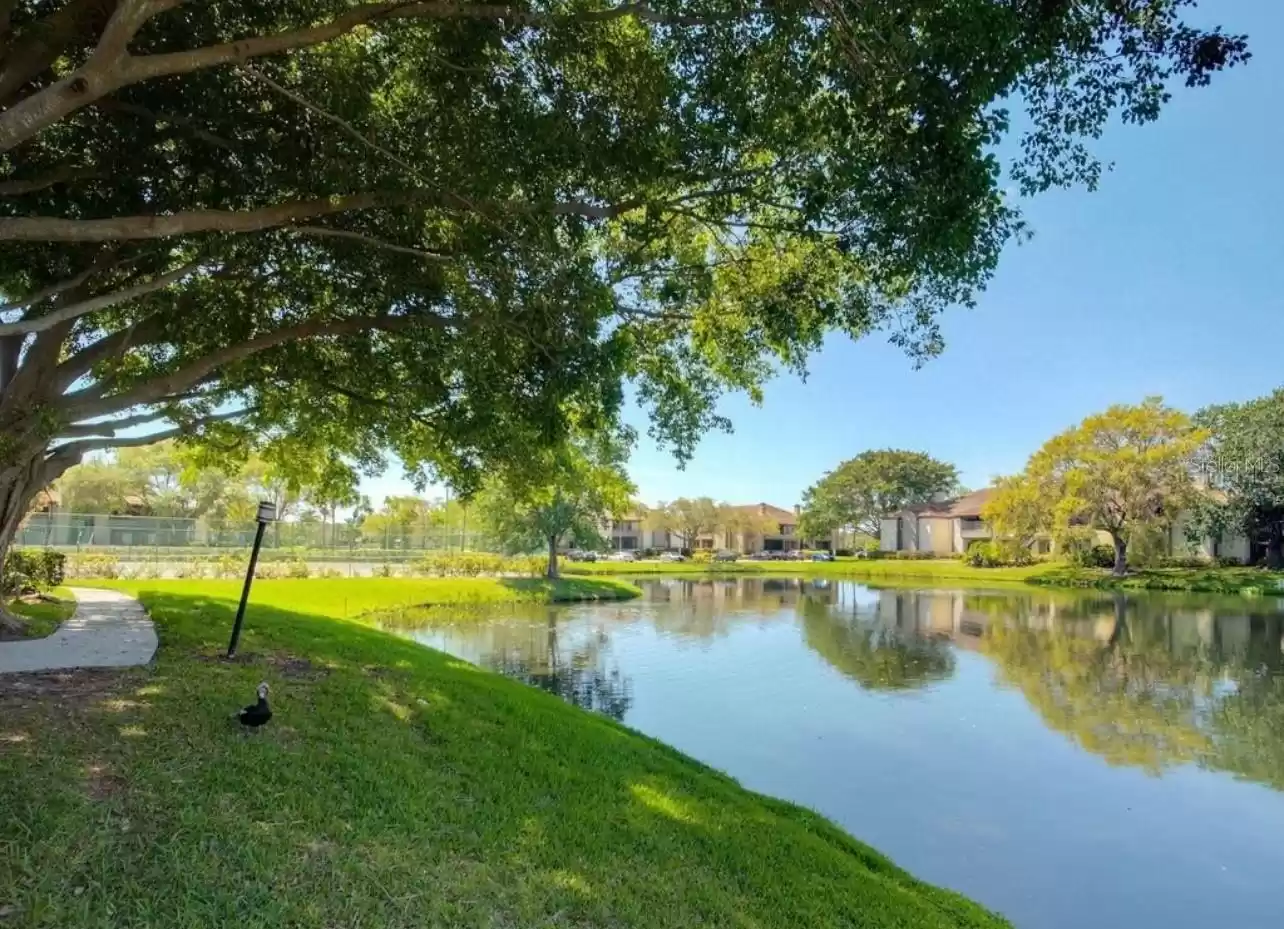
<point x="108" y="630"/>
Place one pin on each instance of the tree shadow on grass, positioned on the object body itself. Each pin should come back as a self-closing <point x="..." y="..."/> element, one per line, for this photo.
<point x="427" y="794"/>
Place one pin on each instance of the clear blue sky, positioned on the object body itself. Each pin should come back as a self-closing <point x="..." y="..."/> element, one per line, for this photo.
<point x="1168" y="280"/>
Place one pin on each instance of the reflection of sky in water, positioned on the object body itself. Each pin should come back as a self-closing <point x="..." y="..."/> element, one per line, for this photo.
<point x="1004" y="744"/>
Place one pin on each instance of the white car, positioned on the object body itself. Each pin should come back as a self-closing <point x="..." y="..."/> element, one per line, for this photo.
<point x="622" y="556"/>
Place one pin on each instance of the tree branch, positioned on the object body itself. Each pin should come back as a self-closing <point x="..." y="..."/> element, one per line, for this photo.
<point x="352" y="132"/>
<point x="57" y="229"/>
<point x="109" y="427"/>
<point x="327" y="233"/>
<point x="41" y="42"/>
<point x="112" y="427"/>
<point x="102" y="302"/>
<point x="52" y="290"/>
<point x="118" y="342"/>
<point x="91" y="445"/>
<point x="92" y="402"/>
<point x="61" y="175"/>
<point x="111" y="67"/>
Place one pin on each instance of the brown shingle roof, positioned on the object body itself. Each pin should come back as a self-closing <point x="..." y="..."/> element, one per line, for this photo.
<point x="967" y="505"/>
<point x="971" y="504"/>
<point x="779" y="514"/>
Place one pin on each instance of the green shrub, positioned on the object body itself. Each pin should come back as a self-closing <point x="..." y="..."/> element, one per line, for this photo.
<point x="190" y="569"/>
<point x="907" y="556"/>
<point x="477" y="564"/>
<point x="1096" y="556"/>
<point x="229" y="565"/>
<point x="1078" y="545"/>
<point x="995" y="554"/>
<point x="983" y="555"/>
<point x="1185" y="561"/>
<point x="93" y="565"/>
<point x="30" y="569"/>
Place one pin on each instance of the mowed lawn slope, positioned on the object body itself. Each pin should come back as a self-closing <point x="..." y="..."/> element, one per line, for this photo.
<point x="395" y="787"/>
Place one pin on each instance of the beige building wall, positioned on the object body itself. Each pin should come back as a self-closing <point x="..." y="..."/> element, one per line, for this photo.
<point x="888" y="540"/>
<point x="935" y="534"/>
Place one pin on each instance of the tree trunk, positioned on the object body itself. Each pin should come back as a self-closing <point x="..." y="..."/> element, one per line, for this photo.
<point x="28" y="471"/>
<point x="17" y="487"/>
<point x="1121" y="555"/>
<point x="551" y="573"/>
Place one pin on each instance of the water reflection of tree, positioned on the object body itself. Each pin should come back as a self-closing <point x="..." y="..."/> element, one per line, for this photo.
<point x="1152" y="684"/>
<point x="875" y="649"/>
<point x="578" y="672"/>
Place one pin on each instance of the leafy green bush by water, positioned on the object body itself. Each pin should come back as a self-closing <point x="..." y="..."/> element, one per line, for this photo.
<point x="996" y="554"/>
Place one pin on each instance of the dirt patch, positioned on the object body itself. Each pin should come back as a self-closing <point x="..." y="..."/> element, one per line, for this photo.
<point x="76" y="685"/>
<point x="285" y="666"/>
<point x="292" y="666"/>
<point x="101" y="783"/>
<point x="220" y="657"/>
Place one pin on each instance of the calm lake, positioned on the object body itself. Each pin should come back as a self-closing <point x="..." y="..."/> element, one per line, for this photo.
<point x="1067" y="759"/>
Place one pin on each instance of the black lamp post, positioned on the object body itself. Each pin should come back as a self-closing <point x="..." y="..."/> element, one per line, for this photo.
<point x="266" y="514"/>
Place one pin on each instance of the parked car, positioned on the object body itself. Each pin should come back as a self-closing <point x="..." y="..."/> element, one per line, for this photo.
<point x="822" y="556"/>
<point x="672" y="556"/>
<point x="725" y="555"/>
<point x="621" y="556"/>
<point x="576" y="554"/>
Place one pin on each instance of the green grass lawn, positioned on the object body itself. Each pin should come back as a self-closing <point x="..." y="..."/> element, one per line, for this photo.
<point x="928" y="569"/>
<point x="350" y="598"/>
<point x="1247" y="581"/>
<point x="43" y="617"/>
<point x="396" y="786"/>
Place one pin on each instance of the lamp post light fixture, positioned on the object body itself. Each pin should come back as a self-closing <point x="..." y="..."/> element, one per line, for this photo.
<point x="265" y="515"/>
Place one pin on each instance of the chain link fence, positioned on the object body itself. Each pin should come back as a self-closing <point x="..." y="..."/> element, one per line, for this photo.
<point x="148" y="538"/>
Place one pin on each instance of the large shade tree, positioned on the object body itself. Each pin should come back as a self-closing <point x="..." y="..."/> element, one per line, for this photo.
<point x="1124" y="471"/>
<point x="862" y="490"/>
<point x="577" y="487"/>
<point x="1244" y="466"/>
<point x="444" y="229"/>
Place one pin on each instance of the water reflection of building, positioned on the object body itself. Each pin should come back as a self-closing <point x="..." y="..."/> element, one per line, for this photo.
<point x="965" y="617"/>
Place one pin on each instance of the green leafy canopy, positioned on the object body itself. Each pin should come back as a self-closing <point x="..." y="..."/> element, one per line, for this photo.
<point x="455" y="231"/>
<point x="862" y="490"/>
